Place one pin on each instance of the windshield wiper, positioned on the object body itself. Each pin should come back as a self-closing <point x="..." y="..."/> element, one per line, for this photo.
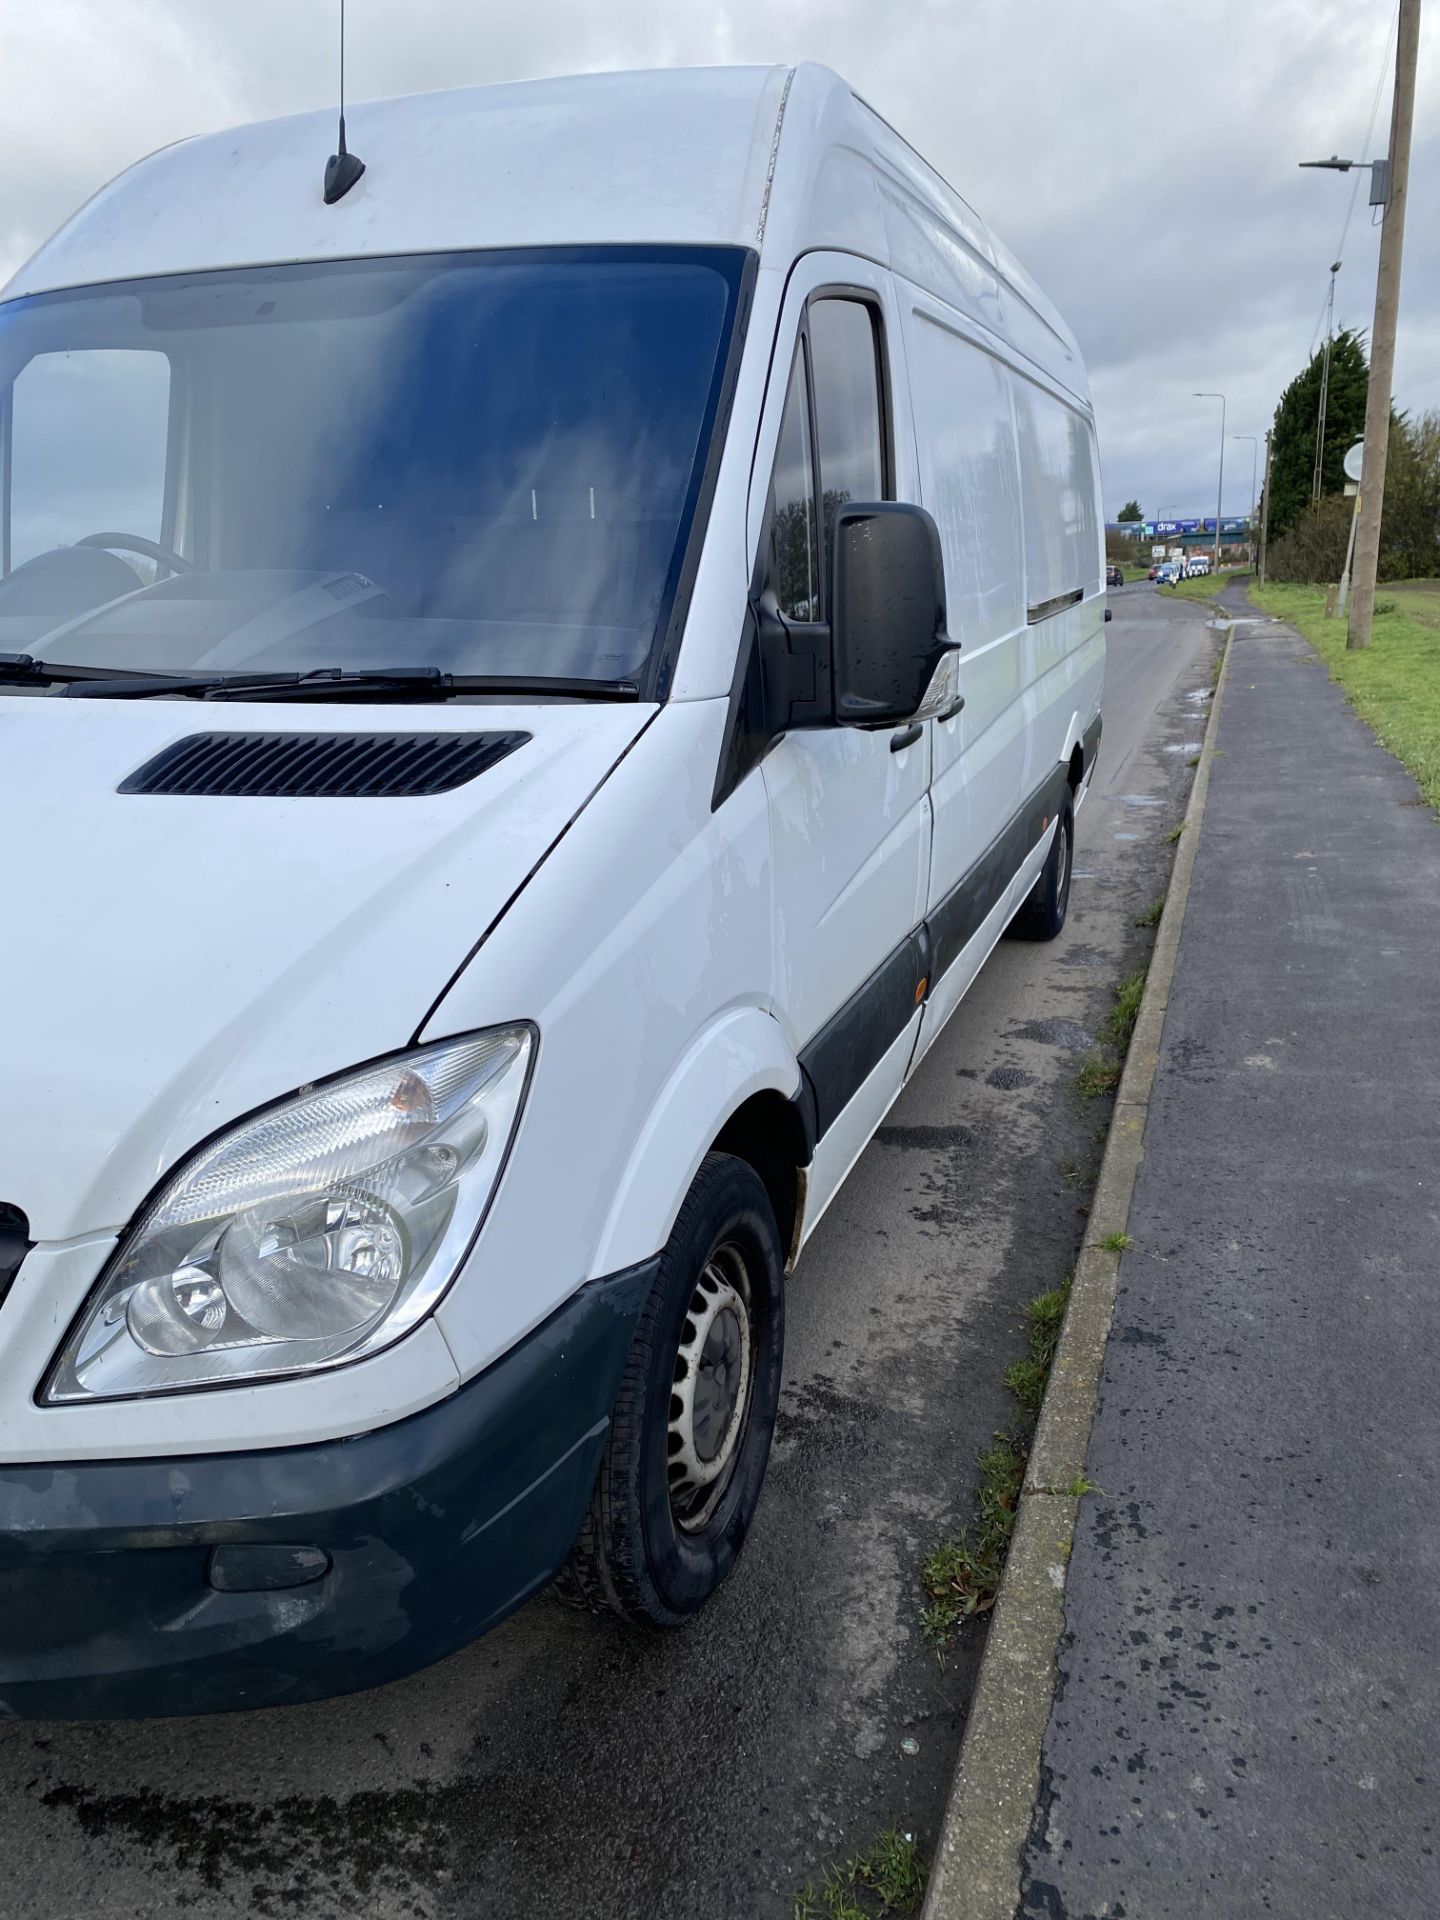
<point x="323" y="683"/>
<point x="23" y="667"/>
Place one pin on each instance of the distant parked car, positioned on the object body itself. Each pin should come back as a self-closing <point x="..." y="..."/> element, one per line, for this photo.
<point x="1165" y="577"/>
<point x="1198" y="566"/>
<point x="1114" y="577"/>
<point x="1154" y="573"/>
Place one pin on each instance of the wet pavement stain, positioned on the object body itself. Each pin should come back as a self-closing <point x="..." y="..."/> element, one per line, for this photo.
<point x="315" y="1855"/>
<point x="1008" y="1078"/>
<point x="945" y="1139"/>
<point x="1077" y="954"/>
<point x="1054" y="1033"/>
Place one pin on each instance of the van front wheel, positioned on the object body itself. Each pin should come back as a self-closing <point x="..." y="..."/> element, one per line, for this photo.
<point x="1043" y="913"/>
<point x="690" y="1433"/>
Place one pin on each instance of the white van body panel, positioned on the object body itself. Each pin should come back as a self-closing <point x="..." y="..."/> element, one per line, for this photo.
<point x="236" y="944"/>
<point x="782" y="160"/>
<point x="740" y="1054"/>
<point x="647" y="927"/>
<point x="540" y="163"/>
<point x="676" y="955"/>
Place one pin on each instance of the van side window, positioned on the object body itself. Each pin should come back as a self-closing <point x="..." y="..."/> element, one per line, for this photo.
<point x="793" y="569"/>
<point x="844" y="357"/>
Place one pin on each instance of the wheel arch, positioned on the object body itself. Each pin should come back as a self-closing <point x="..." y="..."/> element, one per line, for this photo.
<point x="737" y="1089"/>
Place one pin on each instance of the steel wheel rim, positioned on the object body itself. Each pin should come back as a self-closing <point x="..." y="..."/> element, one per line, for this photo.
<point x="1062" y="879"/>
<point x="711" y="1390"/>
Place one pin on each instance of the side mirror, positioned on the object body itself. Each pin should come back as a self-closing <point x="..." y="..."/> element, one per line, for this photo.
<point x="893" y="660"/>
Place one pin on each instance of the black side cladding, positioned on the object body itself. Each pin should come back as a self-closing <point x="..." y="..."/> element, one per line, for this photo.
<point x="855" y="1037"/>
<point x="853" y="1040"/>
<point x="323" y="766"/>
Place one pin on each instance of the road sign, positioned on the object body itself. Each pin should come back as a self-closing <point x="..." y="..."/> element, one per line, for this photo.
<point x="1355" y="460"/>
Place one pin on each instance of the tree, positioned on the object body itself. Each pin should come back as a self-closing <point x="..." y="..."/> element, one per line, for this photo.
<point x="1410" y="528"/>
<point x="1313" y="547"/>
<point x="1130" y="512"/>
<point x="1292" y="453"/>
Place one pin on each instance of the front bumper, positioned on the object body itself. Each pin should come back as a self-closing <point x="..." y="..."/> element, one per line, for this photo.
<point x="137" y="1587"/>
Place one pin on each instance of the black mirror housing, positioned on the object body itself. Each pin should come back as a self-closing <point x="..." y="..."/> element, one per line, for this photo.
<point x="888" y="612"/>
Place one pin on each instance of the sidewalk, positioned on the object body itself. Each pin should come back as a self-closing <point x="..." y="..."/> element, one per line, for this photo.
<point x="1248" y="1706"/>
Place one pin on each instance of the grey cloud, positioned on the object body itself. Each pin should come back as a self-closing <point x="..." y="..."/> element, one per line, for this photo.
<point x="1143" y="167"/>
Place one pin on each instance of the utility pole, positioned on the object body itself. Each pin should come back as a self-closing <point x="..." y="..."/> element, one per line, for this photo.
<point x="1382" y="333"/>
<point x="1220" y="491"/>
<point x="1317" y="472"/>
<point x="1264" y="512"/>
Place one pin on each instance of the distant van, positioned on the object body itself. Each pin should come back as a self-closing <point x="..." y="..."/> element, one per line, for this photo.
<point x="528" y="694"/>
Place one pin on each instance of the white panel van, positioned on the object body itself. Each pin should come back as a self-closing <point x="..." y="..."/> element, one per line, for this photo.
<point x="527" y="693"/>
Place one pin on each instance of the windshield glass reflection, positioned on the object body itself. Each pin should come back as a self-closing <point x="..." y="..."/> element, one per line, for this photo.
<point x="484" y="463"/>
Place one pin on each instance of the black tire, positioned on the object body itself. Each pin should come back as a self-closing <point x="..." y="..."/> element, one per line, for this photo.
<point x="1043" y="913"/>
<point x="656" y="1542"/>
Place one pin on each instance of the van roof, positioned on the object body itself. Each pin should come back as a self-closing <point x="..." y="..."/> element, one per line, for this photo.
<point x="782" y="160"/>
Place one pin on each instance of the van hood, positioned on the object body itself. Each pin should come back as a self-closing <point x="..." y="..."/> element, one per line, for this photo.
<point x="173" y="961"/>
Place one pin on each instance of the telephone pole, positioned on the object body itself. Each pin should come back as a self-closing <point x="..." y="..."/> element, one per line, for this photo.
<point x="1382" y="335"/>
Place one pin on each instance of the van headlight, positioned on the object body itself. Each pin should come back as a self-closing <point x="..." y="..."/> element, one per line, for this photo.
<point x="317" y="1231"/>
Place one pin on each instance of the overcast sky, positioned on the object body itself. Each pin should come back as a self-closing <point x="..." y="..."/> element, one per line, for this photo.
<point x="1141" y="161"/>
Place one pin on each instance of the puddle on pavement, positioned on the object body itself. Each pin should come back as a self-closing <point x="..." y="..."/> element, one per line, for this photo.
<point x="1008" y="1078"/>
<point x="1182" y="746"/>
<point x="1138" y="799"/>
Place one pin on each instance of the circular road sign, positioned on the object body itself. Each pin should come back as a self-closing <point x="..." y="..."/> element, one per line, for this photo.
<point x="1355" y="460"/>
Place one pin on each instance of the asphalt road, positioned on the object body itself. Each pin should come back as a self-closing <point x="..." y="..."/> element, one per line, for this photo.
<point x="567" y="1765"/>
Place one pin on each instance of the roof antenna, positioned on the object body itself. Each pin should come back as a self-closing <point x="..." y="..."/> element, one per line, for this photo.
<point x="342" y="169"/>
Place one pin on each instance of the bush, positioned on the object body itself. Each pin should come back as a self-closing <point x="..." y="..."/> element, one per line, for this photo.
<point x="1314" y="548"/>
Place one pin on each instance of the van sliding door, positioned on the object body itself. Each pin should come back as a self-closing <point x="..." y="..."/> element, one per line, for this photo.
<point x="970" y="481"/>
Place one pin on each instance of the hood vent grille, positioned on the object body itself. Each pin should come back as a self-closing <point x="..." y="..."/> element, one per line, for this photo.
<point x="370" y="766"/>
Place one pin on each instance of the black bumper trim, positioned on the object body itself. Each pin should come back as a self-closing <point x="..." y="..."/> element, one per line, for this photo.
<point x="435" y="1527"/>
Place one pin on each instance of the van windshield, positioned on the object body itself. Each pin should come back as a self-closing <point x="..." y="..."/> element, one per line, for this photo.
<point x="486" y="464"/>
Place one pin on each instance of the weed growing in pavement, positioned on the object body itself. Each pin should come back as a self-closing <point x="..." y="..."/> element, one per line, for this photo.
<point x="1101" y="1068"/>
<point x="1117" y="1243"/>
<point x="1098" y="1075"/>
<point x="962" y="1576"/>
<point x="1174" y="834"/>
<point x="1193" y="761"/>
<point x="1120" y="1027"/>
<point x="1079" y="1487"/>
<point x="1151" y="915"/>
<point x="887" y="1877"/>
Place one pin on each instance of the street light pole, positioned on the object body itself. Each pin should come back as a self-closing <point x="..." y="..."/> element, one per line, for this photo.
<point x="1265" y="510"/>
<point x="1382" y="333"/>
<point x="1254" y="466"/>
<point x="1220" y="490"/>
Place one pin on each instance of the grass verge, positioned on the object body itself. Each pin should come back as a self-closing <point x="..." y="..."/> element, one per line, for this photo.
<point x="1205" y="586"/>
<point x="887" y="1877"/>
<point x="1394" y="683"/>
<point x="961" y="1577"/>
<point x="1100" y="1069"/>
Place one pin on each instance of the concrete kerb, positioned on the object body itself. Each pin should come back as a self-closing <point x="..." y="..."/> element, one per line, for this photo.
<point x="976" y="1871"/>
